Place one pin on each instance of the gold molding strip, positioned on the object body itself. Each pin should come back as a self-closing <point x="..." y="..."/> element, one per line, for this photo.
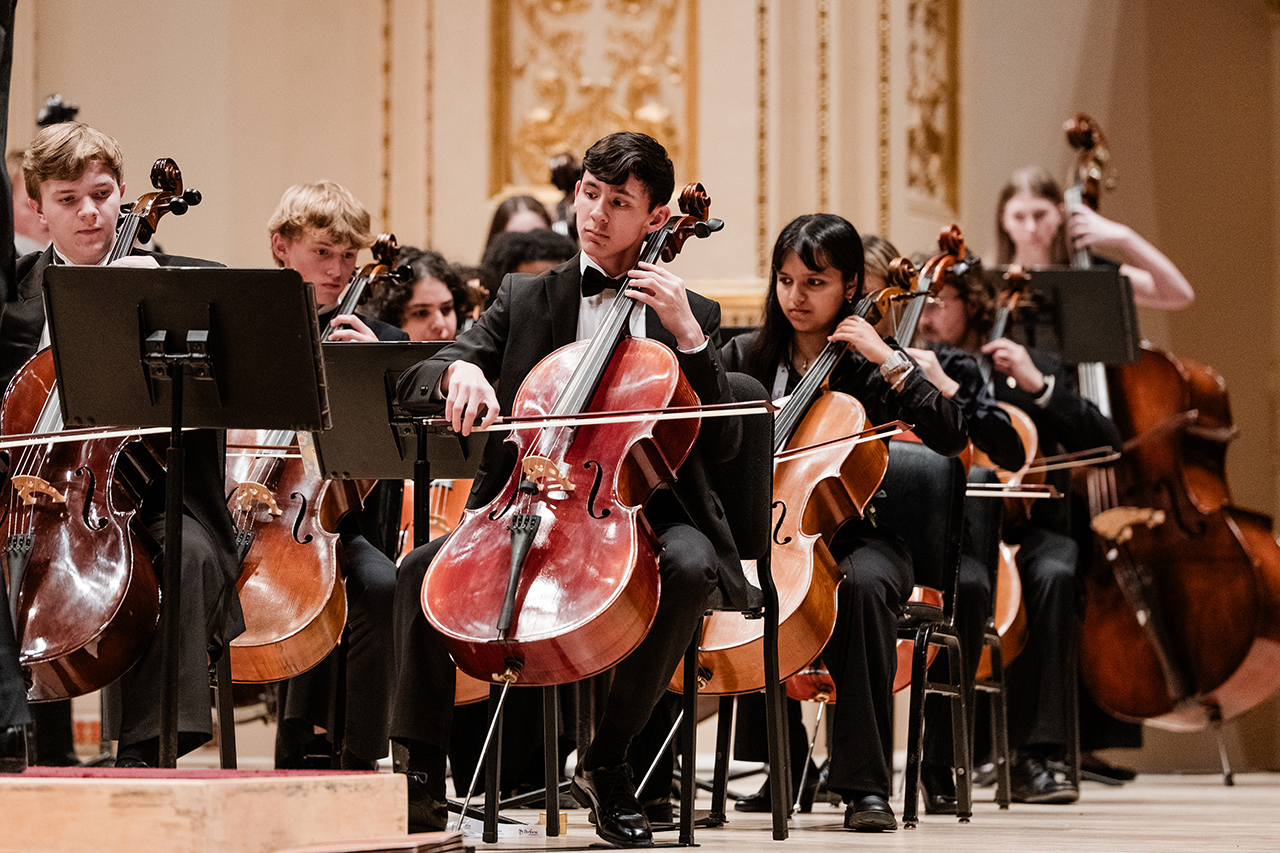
<point x="386" y="111"/>
<point x="429" y="137"/>
<point x="692" y="61"/>
<point x="499" y="91"/>
<point x="824" y="106"/>
<point x="882" y="120"/>
<point x="762" y="133"/>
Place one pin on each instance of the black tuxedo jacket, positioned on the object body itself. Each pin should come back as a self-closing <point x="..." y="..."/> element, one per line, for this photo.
<point x="533" y="316"/>
<point x="204" y="479"/>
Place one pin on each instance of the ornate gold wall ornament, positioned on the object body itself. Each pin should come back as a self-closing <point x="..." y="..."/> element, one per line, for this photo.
<point x="567" y="72"/>
<point x="932" y="124"/>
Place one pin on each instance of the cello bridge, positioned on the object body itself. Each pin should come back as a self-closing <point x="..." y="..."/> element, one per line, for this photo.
<point x="543" y="472"/>
<point x="27" y="486"/>
<point x="247" y="494"/>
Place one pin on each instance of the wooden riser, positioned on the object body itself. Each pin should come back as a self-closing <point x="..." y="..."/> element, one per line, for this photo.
<point x="196" y="811"/>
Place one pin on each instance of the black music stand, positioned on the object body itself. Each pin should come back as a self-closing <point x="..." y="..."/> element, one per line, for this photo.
<point x="372" y="439"/>
<point x="1085" y="315"/>
<point x="125" y="340"/>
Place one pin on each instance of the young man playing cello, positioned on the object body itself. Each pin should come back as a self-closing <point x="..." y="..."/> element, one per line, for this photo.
<point x="621" y="198"/>
<point x="75" y="182"/>
<point x="318" y="229"/>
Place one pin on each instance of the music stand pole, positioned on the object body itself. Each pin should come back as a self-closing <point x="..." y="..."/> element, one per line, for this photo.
<point x="173" y="367"/>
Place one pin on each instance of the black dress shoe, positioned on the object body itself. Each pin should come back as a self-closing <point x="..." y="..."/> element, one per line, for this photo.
<point x="938" y="787"/>
<point x="869" y="813"/>
<point x="1031" y="781"/>
<point x="426" y="813"/>
<point x="1095" y="769"/>
<point x="13" y="749"/>
<point x="611" y="795"/>
<point x="130" y="762"/>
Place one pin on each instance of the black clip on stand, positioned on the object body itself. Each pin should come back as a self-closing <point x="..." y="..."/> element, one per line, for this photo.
<point x="211" y="324"/>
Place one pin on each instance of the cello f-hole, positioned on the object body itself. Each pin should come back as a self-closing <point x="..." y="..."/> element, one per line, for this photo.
<point x="101" y="523"/>
<point x="595" y="489"/>
<point x="782" y="517"/>
<point x="297" y="519"/>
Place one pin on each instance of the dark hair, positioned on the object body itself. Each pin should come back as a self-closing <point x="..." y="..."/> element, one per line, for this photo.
<point x="1037" y="183"/>
<point x="511" y="249"/>
<point x="620" y="155"/>
<point x="510" y="207"/>
<point x="393" y="295"/>
<point x="820" y="240"/>
<point x="977" y="294"/>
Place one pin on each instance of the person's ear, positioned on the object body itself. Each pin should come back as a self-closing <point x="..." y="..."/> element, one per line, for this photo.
<point x="279" y="248"/>
<point x="658" y="217"/>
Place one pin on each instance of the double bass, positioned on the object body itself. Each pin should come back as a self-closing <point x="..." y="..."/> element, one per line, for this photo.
<point x="1182" y="617"/>
<point x="556" y="578"/>
<point x="83" y="592"/>
<point x="286" y="521"/>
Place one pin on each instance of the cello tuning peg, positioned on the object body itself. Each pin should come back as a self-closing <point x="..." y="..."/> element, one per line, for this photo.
<point x="192" y="197"/>
<point x="177" y="206"/>
<point x="706" y="228"/>
<point x="403" y="273"/>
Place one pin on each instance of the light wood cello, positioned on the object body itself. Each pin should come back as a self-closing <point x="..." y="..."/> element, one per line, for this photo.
<point x="291" y="581"/>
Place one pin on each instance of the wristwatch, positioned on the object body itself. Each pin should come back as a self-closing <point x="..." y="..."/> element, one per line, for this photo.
<point x="896" y="366"/>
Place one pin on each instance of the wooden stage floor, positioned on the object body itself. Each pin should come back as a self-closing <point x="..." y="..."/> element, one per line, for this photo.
<point x="1157" y="813"/>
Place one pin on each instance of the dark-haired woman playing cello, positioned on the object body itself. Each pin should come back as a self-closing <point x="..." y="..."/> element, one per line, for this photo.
<point x="816" y="278"/>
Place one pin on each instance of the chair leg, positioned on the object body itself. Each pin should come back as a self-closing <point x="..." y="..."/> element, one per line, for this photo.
<point x="999" y="725"/>
<point x="493" y="768"/>
<point x="1073" y="713"/>
<point x="551" y="758"/>
<point x="226" y="711"/>
<point x="775" y="707"/>
<point x="720" y="782"/>
<point x="688" y="764"/>
<point x="960" y="728"/>
<point x="915" y="724"/>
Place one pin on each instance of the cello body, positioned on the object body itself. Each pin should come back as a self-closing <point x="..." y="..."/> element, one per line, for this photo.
<point x="813" y="495"/>
<point x="290" y="582"/>
<point x="588" y="589"/>
<point x="1208" y="642"/>
<point x="88" y="601"/>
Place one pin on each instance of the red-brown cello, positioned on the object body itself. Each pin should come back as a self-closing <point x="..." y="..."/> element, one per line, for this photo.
<point x="82" y="590"/>
<point x="556" y="579"/>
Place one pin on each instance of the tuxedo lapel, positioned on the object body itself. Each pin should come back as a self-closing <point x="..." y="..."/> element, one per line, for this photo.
<point x="563" y="288"/>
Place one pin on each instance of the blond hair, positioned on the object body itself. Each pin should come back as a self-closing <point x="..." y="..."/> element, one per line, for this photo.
<point x="323" y="206"/>
<point x="62" y="152"/>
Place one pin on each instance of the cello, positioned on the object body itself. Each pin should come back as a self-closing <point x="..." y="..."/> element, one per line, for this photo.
<point x="82" y="589"/>
<point x="1182" y="617"/>
<point x="556" y="578"/>
<point x="286" y="521"/>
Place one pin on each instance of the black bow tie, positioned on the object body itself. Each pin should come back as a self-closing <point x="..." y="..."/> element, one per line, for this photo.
<point x="595" y="282"/>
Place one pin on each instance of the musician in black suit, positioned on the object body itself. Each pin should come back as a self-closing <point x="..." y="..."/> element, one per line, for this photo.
<point x="1038" y="682"/>
<point x="621" y="198"/>
<point x="75" y="182"/>
<point x="318" y="229"/>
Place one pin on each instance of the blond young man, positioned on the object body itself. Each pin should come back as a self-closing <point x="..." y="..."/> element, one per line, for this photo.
<point x="319" y="229"/>
<point x="74" y="175"/>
